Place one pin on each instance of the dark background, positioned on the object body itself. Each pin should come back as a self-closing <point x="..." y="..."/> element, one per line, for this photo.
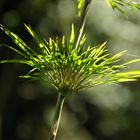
<point x="101" y="113"/>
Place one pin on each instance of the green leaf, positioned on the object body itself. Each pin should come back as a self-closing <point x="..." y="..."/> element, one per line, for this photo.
<point x="133" y="73"/>
<point x="15" y="50"/>
<point x="42" y="46"/>
<point x="25" y="76"/>
<point x="132" y="61"/>
<point x="18" y="41"/>
<point x="124" y="5"/>
<point x="27" y="62"/>
<point x="72" y="34"/>
<point x="111" y="4"/>
<point x="125" y="80"/>
<point x="113" y="59"/>
<point x="79" y="6"/>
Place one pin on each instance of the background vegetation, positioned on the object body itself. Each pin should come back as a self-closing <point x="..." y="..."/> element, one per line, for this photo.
<point x="102" y="113"/>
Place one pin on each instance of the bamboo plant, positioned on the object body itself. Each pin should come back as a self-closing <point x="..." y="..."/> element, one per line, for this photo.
<point x="68" y="64"/>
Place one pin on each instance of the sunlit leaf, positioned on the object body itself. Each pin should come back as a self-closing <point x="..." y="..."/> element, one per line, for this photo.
<point x="79" y="7"/>
<point x="72" y="35"/>
<point x="42" y="46"/>
<point x="17" y="40"/>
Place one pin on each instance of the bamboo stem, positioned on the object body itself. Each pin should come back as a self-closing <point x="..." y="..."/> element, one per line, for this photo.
<point x="57" y="116"/>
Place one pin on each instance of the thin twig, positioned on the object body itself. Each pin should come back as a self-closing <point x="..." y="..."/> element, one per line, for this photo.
<point x="82" y="22"/>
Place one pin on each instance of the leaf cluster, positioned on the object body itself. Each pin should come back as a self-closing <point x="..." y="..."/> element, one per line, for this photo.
<point x="67" y="67"/>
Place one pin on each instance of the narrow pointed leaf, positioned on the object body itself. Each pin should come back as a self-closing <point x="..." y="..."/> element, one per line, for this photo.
<point x="72" y="34"/>
<point x="28" y="62"/>
<point x="132" y="61"/>
<point x="18" y="41"/>
<point x="42" y="46"/>
<point x="16" y="50"/>
<point x="79" y="6"/>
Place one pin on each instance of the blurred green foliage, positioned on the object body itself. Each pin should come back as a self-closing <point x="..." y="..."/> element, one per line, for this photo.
<point x="105" y="113"/>
<point x="122" y="5"/>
